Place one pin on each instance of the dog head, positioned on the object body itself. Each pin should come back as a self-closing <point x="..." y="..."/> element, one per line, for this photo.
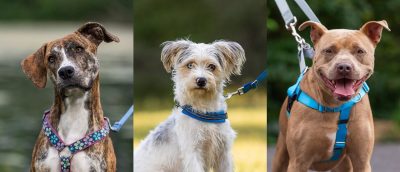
<point x="343" y="58"/>
<point x="70" y="62"/>
<point x="200" y="69"/>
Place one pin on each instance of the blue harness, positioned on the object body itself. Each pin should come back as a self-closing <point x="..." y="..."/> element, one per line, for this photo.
<point x="296" y="94"/>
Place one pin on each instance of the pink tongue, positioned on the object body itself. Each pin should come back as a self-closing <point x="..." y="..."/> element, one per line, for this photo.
<point x="344" y="87"/>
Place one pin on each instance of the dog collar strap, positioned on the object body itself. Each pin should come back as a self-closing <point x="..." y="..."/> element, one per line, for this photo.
<point x="296" y="94"/>
<point x="87" y="141"/>
<point x="210" y="117"/>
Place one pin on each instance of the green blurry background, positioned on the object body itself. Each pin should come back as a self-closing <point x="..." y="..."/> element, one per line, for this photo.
<point x="24" y="27"/>
<point x="283" y="64"/>
<point x="385" y="83"/>
<point x="157" y="21"/>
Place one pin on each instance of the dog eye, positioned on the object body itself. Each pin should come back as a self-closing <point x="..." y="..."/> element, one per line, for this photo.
<point x="51" y="59"/>
<point x="211" y="67"/>
<point x="360" y="51"/>
<point x="189" y="65"/>
<point x="78" y="49"/>
<point x="328" y="51"/>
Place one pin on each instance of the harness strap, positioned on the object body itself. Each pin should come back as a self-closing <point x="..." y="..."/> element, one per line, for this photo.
<point x="210" y="117"/>
<point x="248" y="86"/>
<point x="82" y="144"/>
<point x="296" y="94"/>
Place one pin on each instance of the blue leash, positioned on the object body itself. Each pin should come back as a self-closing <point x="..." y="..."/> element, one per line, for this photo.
<point x="296" y="94"/>
<point x="118" y="124"/>
<point x="249" y="86"/>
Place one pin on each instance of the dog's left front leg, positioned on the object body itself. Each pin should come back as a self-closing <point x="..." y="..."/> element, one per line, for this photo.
<point x="226" y="163"/>
<point x="191" y="155"/>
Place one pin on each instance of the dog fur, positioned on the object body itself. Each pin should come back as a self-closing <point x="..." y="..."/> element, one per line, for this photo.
<point x="182" y="143"/>
<point x="76" y="110"/>
<point x="306" y="139"/>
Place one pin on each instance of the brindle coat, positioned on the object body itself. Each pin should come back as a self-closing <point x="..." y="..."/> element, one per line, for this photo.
<point x="81" y="47"/>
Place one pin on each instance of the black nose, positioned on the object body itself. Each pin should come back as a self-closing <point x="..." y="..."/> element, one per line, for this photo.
<point x="344" y="68"/>
<point x="201" y="82"/>
<point x="66" y="72"/>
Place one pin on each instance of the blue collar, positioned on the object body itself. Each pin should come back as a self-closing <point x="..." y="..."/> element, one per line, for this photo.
<point x="296" y="94"/>
<point x="210" y="117"/>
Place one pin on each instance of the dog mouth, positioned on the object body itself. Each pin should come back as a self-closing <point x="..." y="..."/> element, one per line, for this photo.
<point x="343" y="88"/>
<point x="74" y="86"/>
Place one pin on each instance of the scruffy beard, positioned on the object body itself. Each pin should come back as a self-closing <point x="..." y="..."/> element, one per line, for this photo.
<point x="197" y="96"/>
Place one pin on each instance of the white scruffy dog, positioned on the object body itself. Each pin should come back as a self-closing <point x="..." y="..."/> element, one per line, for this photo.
<point x="182" y="143"/>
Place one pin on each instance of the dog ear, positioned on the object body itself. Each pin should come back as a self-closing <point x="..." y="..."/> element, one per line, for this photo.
<point x="233" y="54"/>
<point x="171" y="50"/>
<point x="96" y="33"/>
<point x="34" y="67"/>
<point x="373" y="29"/>
<point x="317" y="30"/>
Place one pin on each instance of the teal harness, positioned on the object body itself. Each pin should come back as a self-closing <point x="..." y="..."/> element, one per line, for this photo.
<point x="296" y="94"/>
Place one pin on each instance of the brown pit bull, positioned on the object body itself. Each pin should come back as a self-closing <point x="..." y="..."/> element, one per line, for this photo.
<point x="73" y="67"/>
<point x="343" y="60"/>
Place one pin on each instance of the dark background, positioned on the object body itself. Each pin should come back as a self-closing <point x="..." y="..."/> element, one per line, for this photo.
<point x="203" y="21"/>
<point x="25" y="25"/>
<point x="157" y="21"/>
<point x="385" y="83"/>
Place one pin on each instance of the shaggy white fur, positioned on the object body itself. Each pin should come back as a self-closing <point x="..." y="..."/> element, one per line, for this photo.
<point x="182" y="143"/>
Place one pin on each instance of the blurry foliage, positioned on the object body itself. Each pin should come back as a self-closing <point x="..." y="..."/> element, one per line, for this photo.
<point x="157" y="21"/>
<point x="71" y="10"/>
<point x="283" y="64"/>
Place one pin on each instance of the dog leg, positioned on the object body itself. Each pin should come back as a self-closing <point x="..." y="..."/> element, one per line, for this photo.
<point x="192" y="161"/>
<point x="226" y="162"/>
<point x="360" y="145"/>
<point x="296" y="165"/>
<point x="344" y="166"/>
<point x="191" y="155"/>
<point x="280" y="162"/>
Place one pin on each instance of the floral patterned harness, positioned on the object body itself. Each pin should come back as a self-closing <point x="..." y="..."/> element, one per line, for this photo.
<point x="82" y="144"/>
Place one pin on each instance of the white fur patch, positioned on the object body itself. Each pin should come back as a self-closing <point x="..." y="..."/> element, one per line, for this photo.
<point x="74" y="125"/>
<point x="65" y="61"/>
<point x="332" y="138"/>
<point x="52" y="161"/>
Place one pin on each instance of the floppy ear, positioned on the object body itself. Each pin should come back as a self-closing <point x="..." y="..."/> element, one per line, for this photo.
<point x="171" y="50"/>
<point x="96" y="33"/>
<point x="233" y="55"/>
<point x="34" y="67"/>
<point x="317" y="30"/>
<point x="373" y="30"/>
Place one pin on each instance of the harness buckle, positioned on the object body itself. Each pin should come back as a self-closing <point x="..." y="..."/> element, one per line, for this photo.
<point x="339" y="145"/>
<point x="343" y="121"/>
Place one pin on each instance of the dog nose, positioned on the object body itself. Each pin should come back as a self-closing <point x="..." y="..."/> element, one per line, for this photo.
<point x="201" y="82"/>
<point x="344" y="68"/>
<point x="66" y="72"/>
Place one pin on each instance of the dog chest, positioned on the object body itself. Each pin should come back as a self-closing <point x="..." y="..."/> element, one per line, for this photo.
<point x="80" y="161"/>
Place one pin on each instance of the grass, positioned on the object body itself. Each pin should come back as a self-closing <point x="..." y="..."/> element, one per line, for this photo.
<point x="250" y="146"/>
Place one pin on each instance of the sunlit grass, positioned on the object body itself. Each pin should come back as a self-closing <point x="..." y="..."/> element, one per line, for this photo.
<point x="249" y="149"/>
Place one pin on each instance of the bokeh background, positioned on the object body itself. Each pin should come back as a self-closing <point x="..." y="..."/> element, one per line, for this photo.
<point x="385" y="83"/>
<point x="24" y="27"/>
<point x="157" y="21"/>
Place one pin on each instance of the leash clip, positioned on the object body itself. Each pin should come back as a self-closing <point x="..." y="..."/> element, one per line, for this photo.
<point x="114" y="129"/>
<point x="239" y="92"/>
